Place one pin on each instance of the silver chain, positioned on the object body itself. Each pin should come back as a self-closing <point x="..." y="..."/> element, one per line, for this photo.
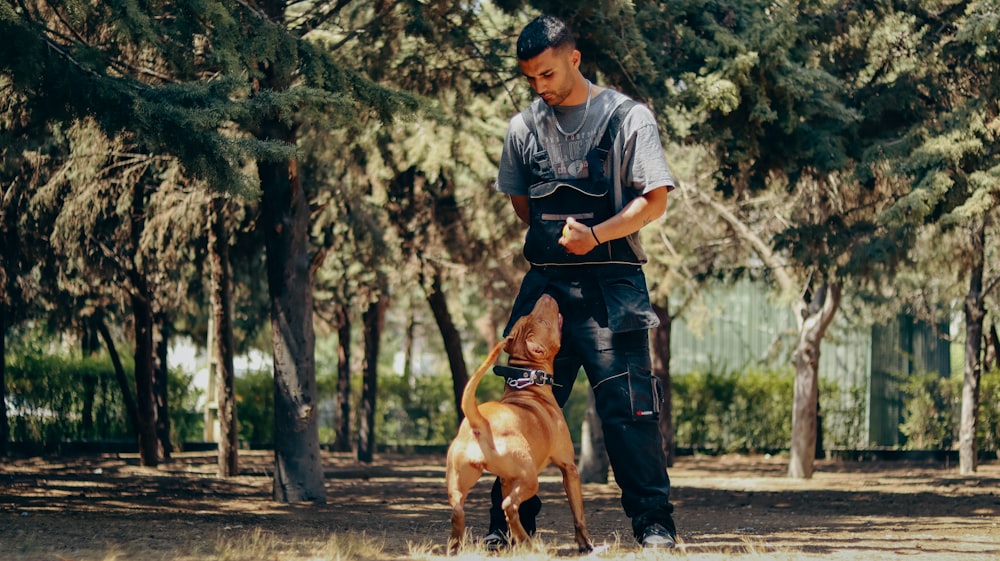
<point x="586" y="111"/>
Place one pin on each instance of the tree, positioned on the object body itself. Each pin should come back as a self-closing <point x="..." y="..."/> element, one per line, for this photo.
<point x="222" y="336"/>
<point x="291" y="79"/>
<point x="777" y="111"/>
<point x="939" y="133"/>
<point x="410" y="200"/>
<point x="4" y="427"/>
<point x="373" y="320"/>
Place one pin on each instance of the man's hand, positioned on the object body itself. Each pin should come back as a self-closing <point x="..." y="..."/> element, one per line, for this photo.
<point x="577" y="238"/>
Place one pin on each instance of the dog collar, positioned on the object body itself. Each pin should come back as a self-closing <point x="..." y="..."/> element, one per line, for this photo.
<point x="523" y="377"/>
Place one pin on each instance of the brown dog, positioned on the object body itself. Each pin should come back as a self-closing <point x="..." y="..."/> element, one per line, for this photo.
<point x="516" y="437"/>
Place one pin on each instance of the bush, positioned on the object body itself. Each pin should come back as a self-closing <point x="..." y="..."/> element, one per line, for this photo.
<point x="420" y="410"/>
<point x="845" y="413"/>
<point x="56" y="399"/>
<point x="255" y="407"/>
<point x="187" y="421"/>
<point x="699" y="401"/>
<point x="731" y="411"/>
<point x="760" y="416"/>
<point x="932" y="412"/>
<point x="989" y="411"/>
<point x="931" y="406"/>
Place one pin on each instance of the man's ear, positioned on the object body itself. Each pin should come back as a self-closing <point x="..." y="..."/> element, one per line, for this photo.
<point x="575" y="57"/>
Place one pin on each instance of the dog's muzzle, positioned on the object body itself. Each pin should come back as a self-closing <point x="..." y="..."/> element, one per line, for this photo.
<point x="523" y="377"/>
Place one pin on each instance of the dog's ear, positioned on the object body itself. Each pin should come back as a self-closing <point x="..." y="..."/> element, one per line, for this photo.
<point x="534" y="349"/>
<point x="508" y="342"/>
<point x="515" y="332"/>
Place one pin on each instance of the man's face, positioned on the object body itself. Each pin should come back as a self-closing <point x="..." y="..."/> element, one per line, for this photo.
<point x="552" y="74"/>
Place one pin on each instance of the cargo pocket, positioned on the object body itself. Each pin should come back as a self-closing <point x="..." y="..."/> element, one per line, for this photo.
<point x="644" y="390"/>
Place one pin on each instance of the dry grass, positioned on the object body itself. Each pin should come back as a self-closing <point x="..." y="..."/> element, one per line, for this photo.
<point x="107" y="508"/>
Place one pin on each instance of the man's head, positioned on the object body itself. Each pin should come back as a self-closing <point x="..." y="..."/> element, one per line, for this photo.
<point x="542" y="33"/>
<point x="547" y="56"/>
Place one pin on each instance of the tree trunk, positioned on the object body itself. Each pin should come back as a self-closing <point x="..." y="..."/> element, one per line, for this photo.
<point x="285" y="220"/>
<point x="373" y="318"/>
<point x="131" y="410"/>
<point x="343" y="441"/>
<point x="161" y="388"/>
<point x="90" y="346"/>
<point x="298" y="469"/>
<point x="661" y="369"/>
<point x="975" y="312"/>
<point x="222" y="323"/>
<point x="452" y="341"/>
<point x="143" y="325"/>
<point x="815" y="317"/>
<point x="149" y="444"/>
<point x="4" y="423"/>
<point x="408" y="342"/>
<point x="994" y="355"/>
<point x="88" y="383"/>
<point x="594" y="460"/>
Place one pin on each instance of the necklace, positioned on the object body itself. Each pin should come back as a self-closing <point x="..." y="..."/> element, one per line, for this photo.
<point x="583" y="121"/>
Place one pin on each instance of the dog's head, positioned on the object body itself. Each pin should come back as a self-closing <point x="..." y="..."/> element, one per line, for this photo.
<point x="536" y="337"/>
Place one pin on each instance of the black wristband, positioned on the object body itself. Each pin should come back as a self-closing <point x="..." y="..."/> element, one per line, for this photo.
<point x="595" y="235"/>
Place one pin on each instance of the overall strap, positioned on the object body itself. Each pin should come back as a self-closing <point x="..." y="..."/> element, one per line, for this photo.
<point x="597" y="157"/>
<point x="600" y="154"/>
<point x="611" y="131"/>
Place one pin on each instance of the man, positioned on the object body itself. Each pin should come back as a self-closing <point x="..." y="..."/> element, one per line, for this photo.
<point x="584" y="211"/>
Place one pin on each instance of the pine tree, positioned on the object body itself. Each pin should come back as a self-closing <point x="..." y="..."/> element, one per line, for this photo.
<point x="214" y="84"/>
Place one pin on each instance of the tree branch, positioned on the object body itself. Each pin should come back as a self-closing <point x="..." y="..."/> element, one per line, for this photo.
<point x="744" y="232"/>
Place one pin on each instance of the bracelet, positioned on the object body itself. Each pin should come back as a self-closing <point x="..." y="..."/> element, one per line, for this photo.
<point x="595" y="235"/>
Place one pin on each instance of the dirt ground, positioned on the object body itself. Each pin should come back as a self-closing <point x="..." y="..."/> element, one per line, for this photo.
<point x="108" y="507"/>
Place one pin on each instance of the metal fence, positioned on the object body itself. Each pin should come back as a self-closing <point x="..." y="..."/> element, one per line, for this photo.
<point x="733" y="328"/>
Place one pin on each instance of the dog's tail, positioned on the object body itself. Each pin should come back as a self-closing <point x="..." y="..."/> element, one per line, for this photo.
<point x="470" y="407"/>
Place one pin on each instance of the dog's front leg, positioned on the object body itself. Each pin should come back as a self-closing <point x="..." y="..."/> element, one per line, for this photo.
<point x="574" y="493"/>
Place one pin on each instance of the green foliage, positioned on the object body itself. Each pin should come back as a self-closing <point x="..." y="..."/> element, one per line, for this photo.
<point x="844" y="413"/>
<point x="187" y="421"/>
<point x="420" y="409"/>
<point x="55" y="399"/>
<point x="255" y="407"/>
<point x="700" y="401"/>
<point x="731" y="411"/>
<point x="931" y="407"/>
<point x="989" y="411"/>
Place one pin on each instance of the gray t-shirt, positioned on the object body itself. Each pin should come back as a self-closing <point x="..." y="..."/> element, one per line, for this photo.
<point x="636" y="161"/>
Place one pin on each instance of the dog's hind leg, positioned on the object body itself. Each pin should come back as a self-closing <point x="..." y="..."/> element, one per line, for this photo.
<point x="460" y="480"/>
<point x="517" y="491"/>
<point x="457" y="526"/>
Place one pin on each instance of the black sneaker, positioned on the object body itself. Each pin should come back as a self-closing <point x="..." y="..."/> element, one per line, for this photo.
<point x="655" y="536"/>
<point x="496" y="540"/>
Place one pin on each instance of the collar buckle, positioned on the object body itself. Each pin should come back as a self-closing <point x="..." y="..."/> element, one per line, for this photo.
<point x="520" y="378"/>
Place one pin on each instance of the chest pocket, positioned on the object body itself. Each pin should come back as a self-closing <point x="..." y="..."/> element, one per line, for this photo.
<point x="551" y="203"/>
